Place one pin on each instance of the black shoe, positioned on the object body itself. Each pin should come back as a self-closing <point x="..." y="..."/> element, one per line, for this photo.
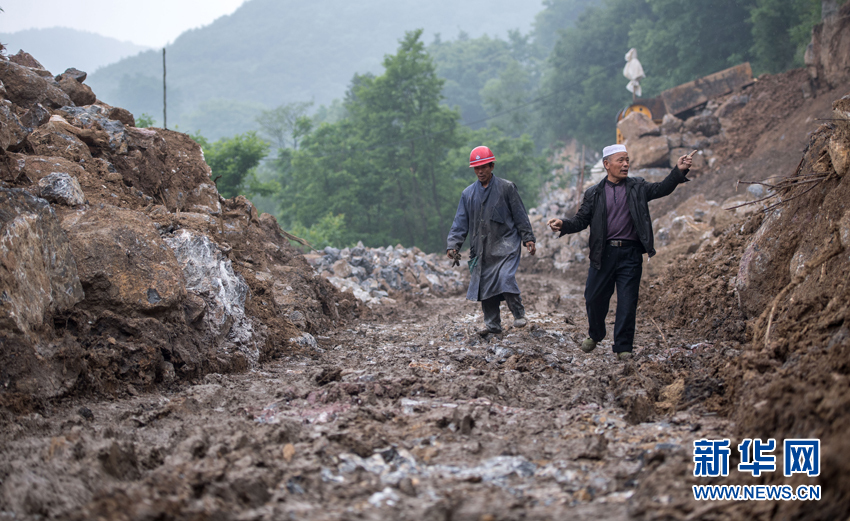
<point x="484" y="333"/>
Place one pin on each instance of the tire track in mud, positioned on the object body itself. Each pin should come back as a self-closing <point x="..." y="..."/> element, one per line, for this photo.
<point x="408" y="416"/>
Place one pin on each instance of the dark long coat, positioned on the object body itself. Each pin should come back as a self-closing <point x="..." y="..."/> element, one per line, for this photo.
<point x="498" y="222"/>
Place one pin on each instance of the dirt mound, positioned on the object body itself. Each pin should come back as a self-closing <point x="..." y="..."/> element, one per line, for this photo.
<point x="778" y="280"/>
<point x="122" y="268"/>
<point x="784" y="276"/>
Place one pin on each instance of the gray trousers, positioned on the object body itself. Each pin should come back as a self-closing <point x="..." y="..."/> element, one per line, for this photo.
<point x="490" y="307"/>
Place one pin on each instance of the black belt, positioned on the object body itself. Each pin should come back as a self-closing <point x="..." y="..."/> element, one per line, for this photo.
<point x="622" y="244"/>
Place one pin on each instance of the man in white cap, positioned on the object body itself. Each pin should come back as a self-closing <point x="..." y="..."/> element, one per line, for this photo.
<point x="617" y="212"/>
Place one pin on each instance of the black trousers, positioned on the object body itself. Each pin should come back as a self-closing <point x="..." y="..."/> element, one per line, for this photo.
<point x="621" y="268"/>
<point x="490" y="307"/>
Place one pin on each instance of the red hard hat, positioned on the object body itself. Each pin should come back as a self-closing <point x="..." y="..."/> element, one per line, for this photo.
<point x="481" y="156"/>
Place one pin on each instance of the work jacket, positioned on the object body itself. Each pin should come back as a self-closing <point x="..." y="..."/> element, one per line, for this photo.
<point x="594" y="211"/>
<point x="499" y="225"/>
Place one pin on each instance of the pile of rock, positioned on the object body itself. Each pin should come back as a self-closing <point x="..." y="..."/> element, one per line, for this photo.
<point x="652" y="145"/>
<point x="120" y="264"/>
<point x="374" y="274"/>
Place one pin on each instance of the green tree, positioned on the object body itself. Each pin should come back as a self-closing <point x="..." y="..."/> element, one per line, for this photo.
<point x="556" y="16"/>
<point x="502" y="95"/>
<point x="286" y="124"/>
<point x="385" y="167"/>
<point x="145" y="121"/>
<point x="467" y="65"/>
<point x="330" y="113"/>
<point x="328" y="231"/>
<point x="220" y="118"/>
<point x="678" y="40"/>
<point x="781" y="31"/>
<point x="584" y="79"/>
<point x="233" y="162"/>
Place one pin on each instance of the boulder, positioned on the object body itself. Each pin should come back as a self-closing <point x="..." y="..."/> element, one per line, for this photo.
<point x="693" y="141"/>
<point x="123" y="263"/>
<point x="731" y="105"/>
<point x="26" y="59"/>
<point x="648" y="151"/>
<point x="30" y="169"/>
<point x="122" y="115"/>
<point x="674" y="140"/>
<point x="57" y="140"/>
<point x="61" y="188"/>
<point x="35" y="116"/>
<point x="80" y="93"/>
<point x="92" y="124"/>
<point x="341" y="269"/>
<point x="839" y="142"/>
<point x="73" y="73"/>
<point x="671" y="124"/>
<point x="38" y="271"/>
<point x="636" y="125"/>
<point x="828" y="38"/>
<point x="707" y="125"/>
<point x="12" y="131"/>
<point x="25" y="87"/>
<point x="169" y="167"/>
<point x="764" y="267"/>
<point x="209" y="275"/>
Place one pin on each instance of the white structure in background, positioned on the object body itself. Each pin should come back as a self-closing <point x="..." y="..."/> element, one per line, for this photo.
<point x="633" y="71"/>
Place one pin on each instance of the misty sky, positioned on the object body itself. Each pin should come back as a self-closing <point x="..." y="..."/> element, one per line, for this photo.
<point x="144" y="22"/>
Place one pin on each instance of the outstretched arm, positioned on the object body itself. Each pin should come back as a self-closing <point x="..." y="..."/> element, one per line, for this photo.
<point x="579" y="221"/>
<point x="676" y="177"/>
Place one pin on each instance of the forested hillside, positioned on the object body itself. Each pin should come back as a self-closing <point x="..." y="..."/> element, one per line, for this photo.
<point x="270" y="52"/>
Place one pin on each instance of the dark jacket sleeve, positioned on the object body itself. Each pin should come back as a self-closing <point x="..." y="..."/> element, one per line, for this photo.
<point x="582" y="218"/>
<point x="460" y="227"/>
<point x="520" y="216"/>
<point x="667" y="185"/>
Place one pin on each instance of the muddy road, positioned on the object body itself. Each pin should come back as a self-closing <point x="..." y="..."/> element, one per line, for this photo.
<point x="409" y="415"/>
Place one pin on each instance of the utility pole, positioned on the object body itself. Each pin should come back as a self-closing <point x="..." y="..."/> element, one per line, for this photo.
<point x="164" y="111"/>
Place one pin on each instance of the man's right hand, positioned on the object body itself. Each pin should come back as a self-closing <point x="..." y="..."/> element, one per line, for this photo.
<point x="451" y="254"/>
<point x="555" y="224"/>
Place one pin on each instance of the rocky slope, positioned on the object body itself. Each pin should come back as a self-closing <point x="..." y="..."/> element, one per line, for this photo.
<point x="121" y="267"/>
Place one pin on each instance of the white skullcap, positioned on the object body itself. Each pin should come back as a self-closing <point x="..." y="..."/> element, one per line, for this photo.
<point x="613" y="149"/>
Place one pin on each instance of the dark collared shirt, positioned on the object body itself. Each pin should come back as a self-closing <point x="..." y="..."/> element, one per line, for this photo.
<point x="620" y="224"/>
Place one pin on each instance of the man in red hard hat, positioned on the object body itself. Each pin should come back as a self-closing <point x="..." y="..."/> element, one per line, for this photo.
<point x="492" y="211"/>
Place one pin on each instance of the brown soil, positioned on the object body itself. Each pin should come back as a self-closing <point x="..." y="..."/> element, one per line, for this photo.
<point x="414" y="406"/>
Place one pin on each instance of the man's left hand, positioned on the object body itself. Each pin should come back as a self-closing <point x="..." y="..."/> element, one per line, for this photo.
<point x="685" y="162"/>
<point x="531" y="247"/>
